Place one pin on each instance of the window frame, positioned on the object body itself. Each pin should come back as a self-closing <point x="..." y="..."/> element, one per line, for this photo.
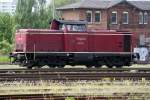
<point x="141" y="18"/>
<point x="144" y="17"/>
<point x="100" y="16"/>
<point x="116" y="22"/>
<point x="127" y="20"/>
<point x="89" y="11"/>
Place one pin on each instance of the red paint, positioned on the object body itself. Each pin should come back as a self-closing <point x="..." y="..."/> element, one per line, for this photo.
<point x="57" y="41"/>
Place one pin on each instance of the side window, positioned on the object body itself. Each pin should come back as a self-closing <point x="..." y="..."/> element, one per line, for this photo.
<point x="89" y="16"/>
<point x="61" y="27"/>
<point x="114" y="17"/>
<point x="97" y="16"/>
<point x="76" y="28"/>
<point x="125" y="18"/>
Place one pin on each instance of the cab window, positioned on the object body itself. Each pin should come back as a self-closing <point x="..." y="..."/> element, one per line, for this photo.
<point x="76" y="28"/>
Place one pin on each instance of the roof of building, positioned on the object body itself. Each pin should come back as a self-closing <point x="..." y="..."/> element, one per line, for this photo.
<point x="105" y="4"/>
<point x="143" y="5"/>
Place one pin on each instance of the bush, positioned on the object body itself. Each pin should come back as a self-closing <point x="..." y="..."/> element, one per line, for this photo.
<point x="5" y="47"/>
<point x="4" y="59"/>
<point x="70" y="98"/>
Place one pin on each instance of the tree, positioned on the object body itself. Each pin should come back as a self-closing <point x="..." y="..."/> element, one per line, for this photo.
<point x="32" y="14"/>
<point x="23" y="13"/>
<point x="7" y="27"/>
<point x="7" y="30"/>
<point x="59" y="3"/>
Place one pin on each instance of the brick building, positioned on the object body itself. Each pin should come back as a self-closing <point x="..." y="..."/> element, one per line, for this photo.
<point x="124" y="15"/>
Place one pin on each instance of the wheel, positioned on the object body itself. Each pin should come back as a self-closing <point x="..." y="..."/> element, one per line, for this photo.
<point x="109" y="66"/>
<point x="89" y="66"/>
<point x="119" y="66"/>
<point x="61" y="66"/>
<point x="51" y="66"/>
<point x="29" y="66"/>
<point x="98" y="66"/>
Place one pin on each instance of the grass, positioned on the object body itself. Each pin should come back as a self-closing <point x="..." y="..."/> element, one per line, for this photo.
<point x="4" y="59"/>
<point x="75" y="88"/>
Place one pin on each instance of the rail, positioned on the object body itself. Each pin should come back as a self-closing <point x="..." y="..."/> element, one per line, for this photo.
<point x="73" y="74"/>
<point x="55" y="97"/>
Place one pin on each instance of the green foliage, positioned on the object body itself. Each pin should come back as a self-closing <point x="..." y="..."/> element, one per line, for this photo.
<point x="4" y="59"/>
<point x="70" y="98"/>
<point x="5" y="47"/>
<point x="7" y="27"/>
<point x="32" y="14"/>
<point x="7" y="30"/>
<point x="59" y="3"/>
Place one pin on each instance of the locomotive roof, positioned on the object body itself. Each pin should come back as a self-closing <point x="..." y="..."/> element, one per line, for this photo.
<point x="72" y="22"/>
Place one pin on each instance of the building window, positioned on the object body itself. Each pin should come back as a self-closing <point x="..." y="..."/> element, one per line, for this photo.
<point x="140" y="18"/>
<point x="97" y="16"/>
<point x="125" y="18"/>
<point x="89" y="16"/>
<point x="145" y="18"/>
<point x="114" y="17"/>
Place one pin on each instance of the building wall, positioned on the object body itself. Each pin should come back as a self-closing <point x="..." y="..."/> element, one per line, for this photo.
<point x="80" y="14"/>
<point x="71" y="14"/>
<point x="133" y="25"/>
<point x="8" y="6"/>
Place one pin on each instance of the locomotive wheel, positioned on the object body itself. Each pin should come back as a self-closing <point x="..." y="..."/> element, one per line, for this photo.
<point x="98" y="66"/>
<point x="89" y="66"/>
<point x="29" y="66"/>
<point x="51" y="66"/>
<point x="119" y="66"/>
<point x="109" y="66"/>
<point x="61" y="66"/>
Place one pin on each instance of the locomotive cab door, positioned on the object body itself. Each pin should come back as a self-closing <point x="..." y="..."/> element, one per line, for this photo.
<point x="127" y="43"/>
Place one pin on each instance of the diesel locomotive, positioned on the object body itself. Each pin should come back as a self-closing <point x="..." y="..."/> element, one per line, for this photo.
<point x="71" y="43"/>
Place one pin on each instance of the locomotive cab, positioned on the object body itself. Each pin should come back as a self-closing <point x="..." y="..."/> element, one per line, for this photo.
<point x="78" y="26"/>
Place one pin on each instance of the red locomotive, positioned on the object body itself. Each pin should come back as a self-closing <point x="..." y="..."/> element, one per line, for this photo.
<point x="70" y="43"/>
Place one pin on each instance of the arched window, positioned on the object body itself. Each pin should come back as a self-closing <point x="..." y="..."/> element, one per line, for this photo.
<point x="89" y="16"/>
<point x="140" y="18"/>
<point x="97" y="16"/>
<point x="125" y="17"/>
<point x="145" y="18"/>
<point x="114" y="17"/>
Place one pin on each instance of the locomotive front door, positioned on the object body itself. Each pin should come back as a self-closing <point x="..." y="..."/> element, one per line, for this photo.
<point x="127" y="42"/>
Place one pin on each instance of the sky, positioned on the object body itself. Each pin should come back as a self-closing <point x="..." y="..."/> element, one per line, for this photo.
<point x="51" y="0"/>
<point x="6" y="0"/>
<point x="12" y="0"/>
<point x="48" y="1"/>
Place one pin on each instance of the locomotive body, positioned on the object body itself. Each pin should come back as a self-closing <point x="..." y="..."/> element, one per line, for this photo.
<point x="70" y="43"/>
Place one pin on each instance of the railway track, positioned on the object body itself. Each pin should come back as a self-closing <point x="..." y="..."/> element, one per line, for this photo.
<point x="53" y="97"/>
<point x="73" y="74"/>
<point x="76" y="70"/>
<point x="15" y="82"/>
